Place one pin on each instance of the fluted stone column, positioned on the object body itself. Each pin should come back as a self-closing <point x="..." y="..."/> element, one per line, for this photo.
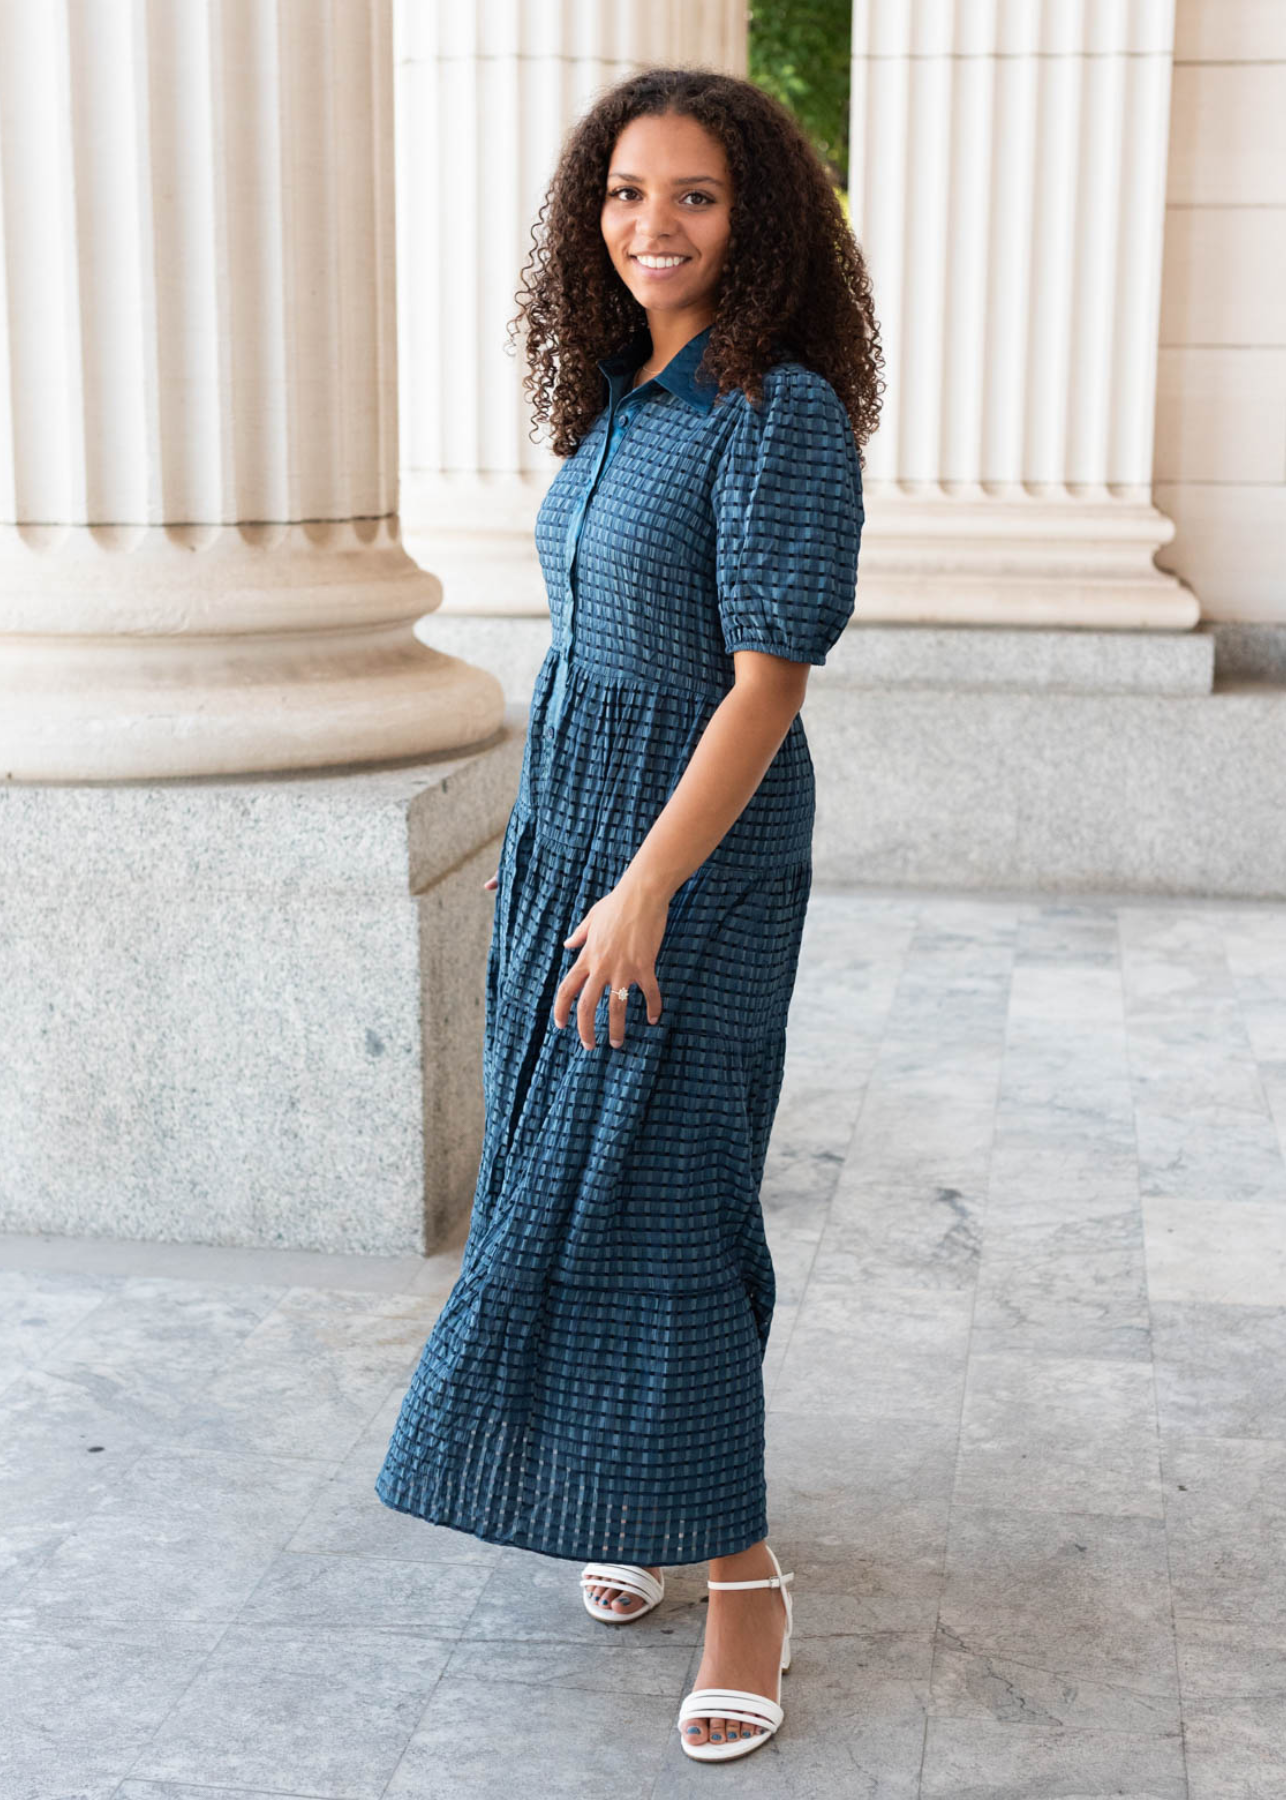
<point x="486" y="94"/>
<point x="201" y="568"/>
<point x="1007" y="173"/>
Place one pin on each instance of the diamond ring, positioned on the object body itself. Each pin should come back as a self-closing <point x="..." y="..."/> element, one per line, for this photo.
<point x="622" y="993"/>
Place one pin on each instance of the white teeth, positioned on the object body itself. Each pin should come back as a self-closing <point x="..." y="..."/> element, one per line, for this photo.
<point x="660" y="262"/>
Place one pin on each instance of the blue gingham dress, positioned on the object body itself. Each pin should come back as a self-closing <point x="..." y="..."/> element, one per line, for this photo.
<point x="593" y="1385"/>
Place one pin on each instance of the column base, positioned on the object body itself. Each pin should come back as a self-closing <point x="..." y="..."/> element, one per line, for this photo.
<point x="137" y="654"/>
<point x="1024" y="558"/>
<point x="250" y="1012"/>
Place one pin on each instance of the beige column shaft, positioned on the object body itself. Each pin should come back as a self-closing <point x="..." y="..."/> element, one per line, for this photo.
<point x="485" y="96"/>
<point x="201" y="568"/>
<point x="1008" y="186"/>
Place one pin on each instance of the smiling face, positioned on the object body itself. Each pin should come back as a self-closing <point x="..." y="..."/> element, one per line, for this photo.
<point x="667" y="213"/>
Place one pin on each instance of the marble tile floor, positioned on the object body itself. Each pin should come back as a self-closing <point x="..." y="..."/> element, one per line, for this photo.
<point x="1027" y="1431"/>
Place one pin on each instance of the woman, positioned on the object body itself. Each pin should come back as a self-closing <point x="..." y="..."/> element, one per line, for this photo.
<point x="700" y="335"/>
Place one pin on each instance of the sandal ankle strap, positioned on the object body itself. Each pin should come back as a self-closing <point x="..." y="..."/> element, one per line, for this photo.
<point x="765" y="1581"/>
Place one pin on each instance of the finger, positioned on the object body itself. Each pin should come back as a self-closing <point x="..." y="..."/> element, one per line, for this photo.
<point x="616" y="1013"/>
<point x="586" y="1007"/>
<point x="492" y="881"/>
<point x="576" y="935"/>
<point x="653" y="994"/>
<point x="569" y="986"/>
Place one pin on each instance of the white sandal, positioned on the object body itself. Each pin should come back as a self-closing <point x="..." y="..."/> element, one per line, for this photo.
<point x="620" y="1575"/>
<point x="737" y="1703"/>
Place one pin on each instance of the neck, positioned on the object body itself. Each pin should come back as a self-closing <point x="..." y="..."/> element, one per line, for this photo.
<point x="670" y="331"/>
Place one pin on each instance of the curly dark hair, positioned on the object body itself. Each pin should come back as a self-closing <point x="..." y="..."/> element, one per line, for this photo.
<point x="794" y="281"/>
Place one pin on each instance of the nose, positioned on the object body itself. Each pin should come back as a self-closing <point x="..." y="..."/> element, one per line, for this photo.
<point x="654" y="222"/>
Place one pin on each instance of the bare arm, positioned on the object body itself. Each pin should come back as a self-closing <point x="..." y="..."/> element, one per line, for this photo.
<point x="620" y="936"/>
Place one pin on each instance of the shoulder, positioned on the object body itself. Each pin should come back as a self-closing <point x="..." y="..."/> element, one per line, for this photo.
<point x="794" y="397"/>
<point x="800" y="424"/>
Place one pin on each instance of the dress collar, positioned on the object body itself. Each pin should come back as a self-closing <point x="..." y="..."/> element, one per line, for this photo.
<point x="678" y="375"/>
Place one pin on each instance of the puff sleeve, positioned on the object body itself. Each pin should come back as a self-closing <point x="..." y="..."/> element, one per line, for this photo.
<point x="788" y="511"/>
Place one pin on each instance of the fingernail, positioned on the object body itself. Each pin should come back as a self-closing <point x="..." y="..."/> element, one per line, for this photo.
<point x="617" y="1042"/>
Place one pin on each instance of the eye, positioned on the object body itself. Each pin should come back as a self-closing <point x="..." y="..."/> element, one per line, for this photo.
<point x="618" y="193"/>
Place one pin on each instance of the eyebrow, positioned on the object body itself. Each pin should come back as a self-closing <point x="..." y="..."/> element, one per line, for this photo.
<point x="679" y="180"/>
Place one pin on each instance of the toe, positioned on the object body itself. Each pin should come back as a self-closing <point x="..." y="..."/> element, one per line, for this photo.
<point x="717" y="1733"/>
<point x="624" y="1601"/>
<point x="696" y="1731"/>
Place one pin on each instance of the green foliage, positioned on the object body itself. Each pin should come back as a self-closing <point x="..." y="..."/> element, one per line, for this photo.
<point x="799" y="53"/>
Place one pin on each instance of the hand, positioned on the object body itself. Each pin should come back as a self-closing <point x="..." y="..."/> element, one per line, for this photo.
<point x="492" y="881"/>
<point x="620" y="937"/>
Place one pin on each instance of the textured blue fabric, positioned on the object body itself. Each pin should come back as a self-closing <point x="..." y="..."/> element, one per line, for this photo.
<point x="593" y="1385"/>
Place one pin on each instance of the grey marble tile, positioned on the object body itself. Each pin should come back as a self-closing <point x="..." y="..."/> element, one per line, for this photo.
<point x="1057" y="1619"/>
<point x="1026" y="1172"/>
<point x="904" y="1234"/>
<point x="537" y="1599"/>
<point x="1226" y="1521"/>
<point x="880" y="1617"/>
<point x="327" y="1712"/>
<point x="80" y="1701"/>
<point x="1274" y="1079"/>
<point x="1059" y="1434"/>
<point x="1193" y="1256"/>
<point x="1262" y="1002"/>
<point x="877" y="1488"/>
<point x="576" y="1742"/>
<point x="1223" y="1155"/>
<point x="806" y="1151"/>
<point x="617" y="1661"/>
<point x="1064" y="1130"/>
<point x="779" y="1336"/>
<point x="977" y="1759"/>
<point x="1045" y="1201"/>
<point x="793" y="1249"/>
<point x="1234" y="1709"/>
<point x="348" y="1518"/>
<point x="1044" y="1095"/>
<point x="435" y="1599"/>
<point x="958" y="1063"/>
<point x="899" y="1140"/>
<point x="1052" y="995"/>
<point x="38" y="1308"/>
<point x="62" y="1452"/>
<point x="1219" y="1368"/>
<point x="178" y="1537"/>
<point x="307" y="1379"/>
<point x="875" y="1352"/>
<point x="1066" y="931"/>
<point x="846" y="1734"/>
<point x="1066" y="1303"/>
<point x="188" y="1790"/>
<point x="1019" y="1116"/>
<point x="154" y="1344"/>
<point x="1171" y="1073"/>
<point x="146" y="1318"/>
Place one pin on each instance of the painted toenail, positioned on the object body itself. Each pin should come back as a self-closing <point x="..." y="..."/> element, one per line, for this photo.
<point x="716" y="1737"/>
<point x="694" y="1731"/>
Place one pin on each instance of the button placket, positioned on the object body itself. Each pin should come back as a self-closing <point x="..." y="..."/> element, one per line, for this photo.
<point x="620" y="415"/>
